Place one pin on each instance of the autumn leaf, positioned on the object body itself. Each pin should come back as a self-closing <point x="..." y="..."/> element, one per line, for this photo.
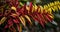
<point x="28" y="18"/>
<point x="3" y="20"/>
<point x="22" y="19"/>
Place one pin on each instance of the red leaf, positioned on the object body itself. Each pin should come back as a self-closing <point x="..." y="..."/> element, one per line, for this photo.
<point x="1" y="14"/>
<point x="47" y="17"/>
<point x="6" y="26"/>
<point x="35" y="19"/>
<point x="40" y="20"/>
<point x="15" y="21"/>
<point x="10" y="22"/>
<point x="12" y="29"/>
<point x="16" y="3"/>
<point x="25" y="11"/>
<point x="30" y="6"/>
<point x="18" y="26"/>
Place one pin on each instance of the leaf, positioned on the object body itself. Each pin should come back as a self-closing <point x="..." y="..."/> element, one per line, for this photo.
<point x="15" y="21"/>
<point x="49" y="10"/>
<point x="13" y="8"/>
<point x="13" y="15"/>
<point x="27" y="8"/>
<point x="10" y="22"/>
<point x="35" y="7"/>
<point x="6" y="26"/>
<point x="30" y="6"/>
<point x="53" y="9"/>
<point x="56" y="8"/>
<point x="1" y="9"/>
<point x="55" y="2"/>
<point x="32" y="9"/>
<point x="22" y="20"/>
<point x="21" y="4"/>
<point x="35" y="19"/>
<point x="42" y="17"/>
<point x="51" y="4"/>
<point x="48" y="18"/>
<point x="20" y="28"/>
<point x="2" y="20"/>
<point x="1" y="14"/>
<point x="40" y="20"/>
<point x="28" y="18"/>
<point x="41" y="9"/>
<point x="59" y="7"/>
<point x="52" y="16"/>
<point x="12" y="29"/>
<point x="45" y="7"/>
<point x="48" y="5"/>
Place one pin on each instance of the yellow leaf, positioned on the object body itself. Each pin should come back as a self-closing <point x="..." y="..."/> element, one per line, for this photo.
<point x="55" y="3"/>
<point x="22" y="20"/>
<point x="51" y="4"/>
<point x="59" y="3"/>
<point x="48" y="5"/>
<point x="49" y="10"/>
<point x="13" y="8"/>
<point x="46" y="10"/>
<point x="56" y="8"/>
<point x="20" y="28"/>
<point x="51" y="16"/>
<point x="35" y="8"/>
<point x="28" y="18"/>
<point x="21" y="4"/>
<point x="14" y="15"/>
<point x="41" y="9"/>
<point x="2" y="20"/>
<point x="59" y="7"/>
<point x="32" y="9"/>
<point x="53" y="9"/>
<point x="28" y="9"/>
<point x="45" y="7"/>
